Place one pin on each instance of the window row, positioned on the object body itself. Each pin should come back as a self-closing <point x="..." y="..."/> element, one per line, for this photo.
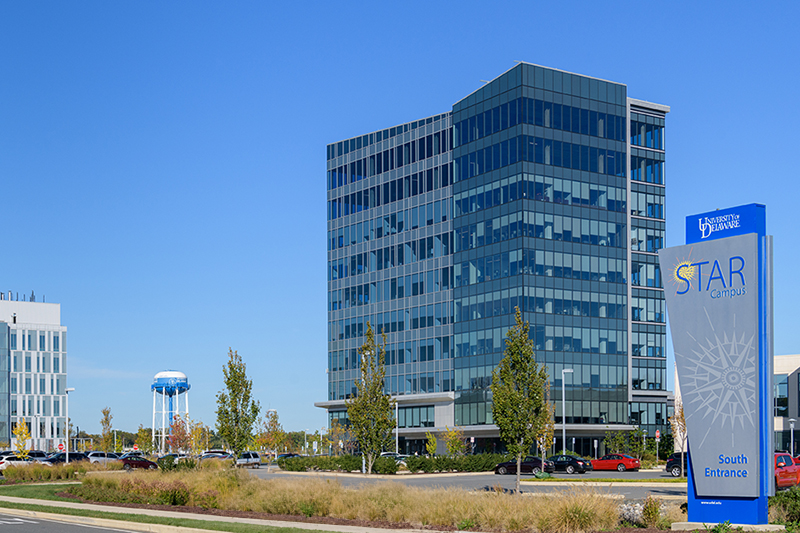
<point x="356" y="143"/>
<point x="36" y="385"/>
<point x="542" y="151"/>
<point x="390" y="191"/>
<point x="424" y="316"/>
<point x="29" y="339"/>
<point x="647" y="309"/>
<point x="647" y="240"/>
<point x="391" y="256"/>
<point x="647" y="135"/>
<point x="392" y="224"/>
<point x="539" y="113"/>
<point x="540" y="300"/>
<point x="542" y="188"/>
<point x="541" y="226"/>
<point x="645" y="274"/>
<point x="648" y="344"/>
<point x="24" y="362"/>
<point x="649" y="375"/>
<point x="418" y="383"/>
<point x="422" y="416"/>
<point x="30" y="406"/>
<point x="397" y="353"/>
<point x="647" y="170"/>
<point x="645" y="413"/>
<point x="540" y="263"/>
<point x="391" y="159"/>
<point x="647" y="205"/>
<point x="391" y="289"/>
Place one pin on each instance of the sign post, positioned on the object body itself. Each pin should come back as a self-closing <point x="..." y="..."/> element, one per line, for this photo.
<point x="718" y="289"/>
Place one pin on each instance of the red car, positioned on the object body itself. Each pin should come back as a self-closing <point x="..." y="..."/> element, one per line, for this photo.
<point x="787" y="472"/>
<point x="616" y="461"/>
<point x="133" y="461"/>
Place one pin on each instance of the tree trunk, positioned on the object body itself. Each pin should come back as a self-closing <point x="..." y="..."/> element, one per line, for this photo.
<point x="370" y="460"/>
<point x="519" y="468"/>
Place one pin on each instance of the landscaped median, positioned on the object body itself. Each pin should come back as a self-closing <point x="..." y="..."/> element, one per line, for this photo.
<point x="386" y="504"/>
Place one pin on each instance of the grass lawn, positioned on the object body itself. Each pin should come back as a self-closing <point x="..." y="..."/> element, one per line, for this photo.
<point x="199" y="524"/>
<point x="36" y="491"/>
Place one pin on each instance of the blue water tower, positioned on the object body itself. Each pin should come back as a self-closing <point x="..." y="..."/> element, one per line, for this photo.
<point x="169" y="388"/>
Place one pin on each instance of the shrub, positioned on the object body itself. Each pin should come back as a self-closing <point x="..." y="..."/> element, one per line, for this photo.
<point x="651" y="512"/>
<point x="577" y="509"/>
<point x="166" y="464"/>
<point x="40" y="472"/>
<point x="384" y="465"/>
<point x="785" y="506"/>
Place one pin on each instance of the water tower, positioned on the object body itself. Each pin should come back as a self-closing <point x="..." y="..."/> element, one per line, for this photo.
<point x="172" y="386"/>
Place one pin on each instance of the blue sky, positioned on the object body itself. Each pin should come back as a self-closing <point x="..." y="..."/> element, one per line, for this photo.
<point x="163" y="164"/>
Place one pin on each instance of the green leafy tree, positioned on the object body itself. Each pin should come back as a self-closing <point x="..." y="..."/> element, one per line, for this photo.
<point x="545" y="438"/>
<point x="144" y="440"/>
<point x="22" y="433"/>
<point x="431" y="443"/>
<point x="518" y="393"/>
<point x="271" y="437"/>
<point x="636" y="443"/>
<point x="454" y="441"/>
<point x="371" y="412"/>
<point x="107" y="434"/>
<point x="615" y="441"/>
<point x="237" y="412"/>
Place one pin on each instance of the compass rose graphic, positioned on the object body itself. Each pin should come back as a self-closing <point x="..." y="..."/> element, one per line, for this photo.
<point x="721" y="383"/>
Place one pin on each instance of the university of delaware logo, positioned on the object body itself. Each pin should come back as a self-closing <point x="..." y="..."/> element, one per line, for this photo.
<point x="709" y="225"/>
<point x="720" y="278"/>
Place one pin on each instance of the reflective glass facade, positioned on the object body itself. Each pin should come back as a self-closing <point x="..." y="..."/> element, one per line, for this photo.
<point x="543" y="190"/>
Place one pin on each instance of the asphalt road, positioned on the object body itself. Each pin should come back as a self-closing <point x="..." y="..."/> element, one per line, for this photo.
<point x="13" y="524"/>
<point x="490" y="481"/>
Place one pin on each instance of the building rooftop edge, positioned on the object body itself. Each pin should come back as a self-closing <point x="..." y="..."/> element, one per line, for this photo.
<point x="649" y="105"/>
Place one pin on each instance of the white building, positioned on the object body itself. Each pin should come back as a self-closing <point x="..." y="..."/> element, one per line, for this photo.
<point x="33" y="372"/>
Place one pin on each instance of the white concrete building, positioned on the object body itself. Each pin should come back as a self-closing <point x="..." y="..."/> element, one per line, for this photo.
<point x="33" y="372"/>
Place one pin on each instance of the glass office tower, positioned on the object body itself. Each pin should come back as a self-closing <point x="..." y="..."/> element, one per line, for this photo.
<point x="543" y="190"/>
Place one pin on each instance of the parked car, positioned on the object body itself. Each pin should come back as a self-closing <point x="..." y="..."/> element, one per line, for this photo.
<point x="13" y="460"/>
<point x="251" y="459"/>
<point x="37" y="455"/>
<point x="570" y="464"/>
<point x="131" y="462"/>
<point x="616" y="461"/>
<point x="398" y="457"/>
<point x="787" y="473"/>
<point x="61" y="457"/>
<point x="288" y="455"/>
<point x="131" y="454"/>
<point x="674" y="463"/>
<point x="530" y="465"/>
<point x="102" y="457"/>
<point x="215" y="455"/>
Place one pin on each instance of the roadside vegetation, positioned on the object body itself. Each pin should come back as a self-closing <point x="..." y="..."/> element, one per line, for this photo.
<point x="71" y="471"/>
<point x="574" y="509"/>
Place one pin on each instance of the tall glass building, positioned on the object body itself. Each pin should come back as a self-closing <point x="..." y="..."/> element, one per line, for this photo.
<point x="542" y="190"/>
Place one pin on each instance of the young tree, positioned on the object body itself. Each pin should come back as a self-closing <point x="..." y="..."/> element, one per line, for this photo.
<point x="271" y="436"/>
<point x="144" y="440"/>
<point x="371" y="412"/>
<point x="430" y="445"/>
<point x="179" y="437"/>
<point x="198" y="435"/>
<point x="107" y="439"/>
<point x="337" y="434"/>
<point x="454" y="441"/>
<point x="518" y="393"/>
<point x="237" y="412"/>
<point x="636" y="443"/>
<point x="23" y="435"/>
<point x="678" y="423"/>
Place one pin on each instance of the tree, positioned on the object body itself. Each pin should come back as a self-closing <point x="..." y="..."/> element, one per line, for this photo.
<point x="430" y="446"/>
<point x="23" y="434"/>
<point x="144" y="440"/>
<point x="338" y="433"/>
<point x="371" y="412"/>
<point x="678" y="423"/>
<point x="107" y="439"/>
<point x="518" y="393"/>
<point x="237" y="412"/>
<point x="615" y="441"/>
<point x="454" y="441"/>
<point x="636" y="443"/>
<point x="179" y="437"/>
<point x="198" y="435"/>
<point x="271" y="436"/>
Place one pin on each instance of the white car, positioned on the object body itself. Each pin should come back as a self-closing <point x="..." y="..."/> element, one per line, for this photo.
<point x="251" y="459"/>
<point x="101" y="457"/>
<point x="13" y="460"/>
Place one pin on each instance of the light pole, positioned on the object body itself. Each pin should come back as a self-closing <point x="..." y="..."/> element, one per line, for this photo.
<point x="564" y="372"/>
<point x="269" y="462"/>
<point x="396" y="429"/>
<point x="305" y="441"/>
<point x="66" y="412"/>
<point x="791" y="435"/>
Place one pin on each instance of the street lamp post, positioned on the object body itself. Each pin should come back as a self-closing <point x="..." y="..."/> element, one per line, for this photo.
<point x="564" y="372"/>
<point x="66" y="412"/>
<point x="269" y="463"/>
<point x="396" y="429"/>
<point x="791" y="435"/>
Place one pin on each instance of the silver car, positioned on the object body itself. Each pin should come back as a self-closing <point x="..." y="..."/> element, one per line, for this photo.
<point x="102" y="457"/>
<point x="251" y="459"/>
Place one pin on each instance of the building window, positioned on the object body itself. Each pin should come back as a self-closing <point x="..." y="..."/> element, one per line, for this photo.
<point x="27" y="363"/>
<point x="56" y="364"/>
<point x="42" y="343"/>
<point x="56" y="339"/>
<point x="13" y="385"/>
<point x="781" y="395"/>
<point x="13" y="341"/>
